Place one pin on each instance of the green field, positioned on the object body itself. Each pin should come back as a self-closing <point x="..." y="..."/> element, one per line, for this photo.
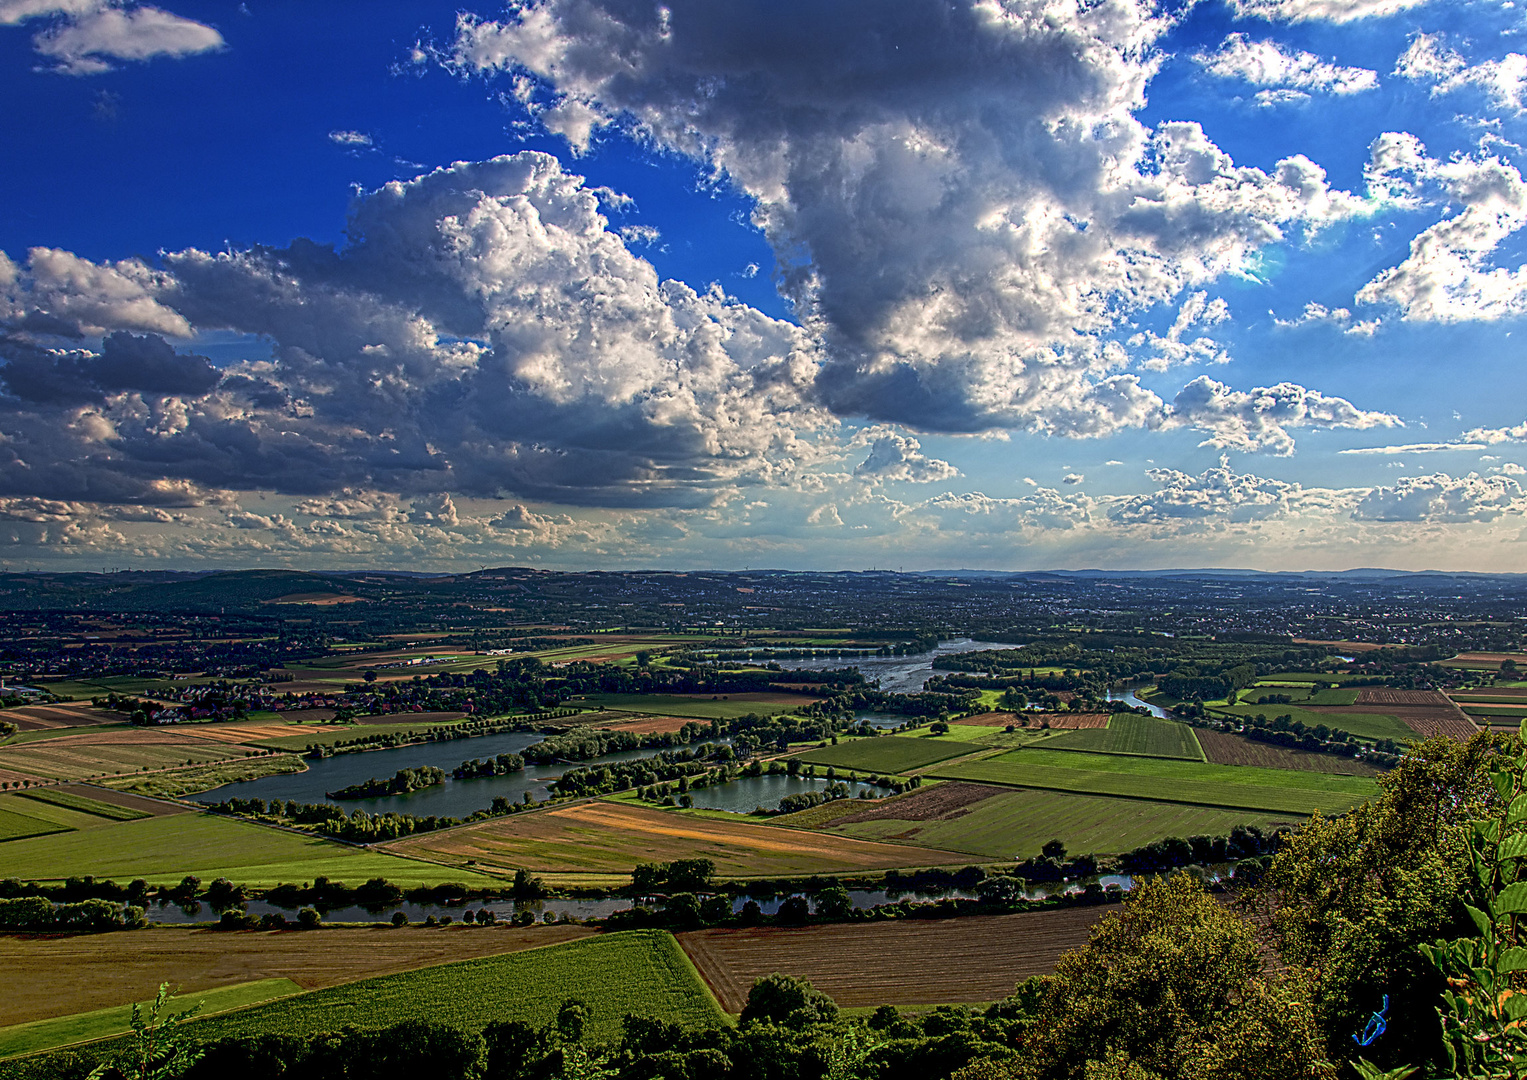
<point x="1129" y="733"/>
<point x="1236" y="787"/>
<point x="104" y="1023"/>
<point x="1363" y="725"/>
<point x="17" y="826"/>
<point x="637" y="971"/>
<point x="1016" y="824"/>
<point x="700" y="708"/>
<point x="165" y="849"/>
<point x="70" y="801"/>
<point x="888" y="753"/>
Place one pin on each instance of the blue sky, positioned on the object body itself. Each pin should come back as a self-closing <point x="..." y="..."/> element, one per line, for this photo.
<point x="592" y="283"/>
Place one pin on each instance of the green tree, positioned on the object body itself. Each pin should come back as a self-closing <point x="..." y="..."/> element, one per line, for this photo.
<point x="1350" y="900"/>
<point x="1172" y="985"/>
<point x="789" y="1001"/>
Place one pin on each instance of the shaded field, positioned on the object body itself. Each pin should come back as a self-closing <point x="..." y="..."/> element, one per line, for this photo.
<point x="1004" y="823"/>
<point x="43" y="717"/>
<point x="649" y="725"/>
<point x="165" y="849"/>
<point x="886" y="753"/>
<point x="1222" y="748"/>
<point x="1242" y="788"/>
<point x="696" y="706"/>
<point x="75" y="757"/>
<point x="609" y="837"/>
<point x="976" y="959"/>
<point x="1472" y="709"/>
<point x="1426" y="712"/>
<point x="1127" y="733"/>
<point x="64" y="818"/>
<point x="18" y="826"/>
<point x="104" y="1023"/>
<point x="73" y="974"/>
<point x="636" y="971"/>
<point x="178" y="782"/>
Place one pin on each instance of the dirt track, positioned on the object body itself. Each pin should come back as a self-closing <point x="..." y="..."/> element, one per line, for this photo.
<point x="908" y="962"/>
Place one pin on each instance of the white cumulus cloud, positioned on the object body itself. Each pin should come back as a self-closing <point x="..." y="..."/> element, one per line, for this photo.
<point x="1268" y="64"/>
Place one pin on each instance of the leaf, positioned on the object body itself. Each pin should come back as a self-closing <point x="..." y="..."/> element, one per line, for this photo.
<point x="1514" y="1005"/>
<point x="1517" y="811"/>
<point x="1512" y="959"/>
<point x="1481" y="920"/>
<point x="1512" y="847"/>
<point x="1502" y="781"/>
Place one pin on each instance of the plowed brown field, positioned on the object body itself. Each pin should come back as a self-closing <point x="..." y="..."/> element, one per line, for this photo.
<point x="1225" y="749"/>
<point x="1072" y="721"/>
<point x="649" y="725"/>
<point x="608" y="837"/>
<point x="70" y="974"/>
<point x="961" y="960"/>
<point x="1383" y="695"/>
<point x="105" y="753"/>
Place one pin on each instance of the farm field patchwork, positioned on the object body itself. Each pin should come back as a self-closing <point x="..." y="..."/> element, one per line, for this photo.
<point x="635" y="971"/>
<point x="1273" y="790"/>
<point x="165" y="849"/>
<point x="104" y="1023"/>
<point x="45" y="717"/>
<point x="696" y="706"/>
<point x="1129" y="733"/>
<point x="328" y="734"/>
<point x="75" y="757"/>
<point x="1004" y="823"/>
<point x="886" y="753"/>
<point x="1222" y="748"/>
<point x="84" y="973"/>
<point x="977" y="959"/>
<point x="603" y="837"/>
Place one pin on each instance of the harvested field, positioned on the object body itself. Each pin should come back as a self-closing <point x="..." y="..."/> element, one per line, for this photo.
<point x="607" y="837"/>
<point x="695" y="706"/>
<point x="1426" y="712"/>
<point x="1222" y="748"/>
<point x="173" y="783"/>
<point x="976" y="959"/>
<point x="649" y="725"/>
<point x="238" y="732"/>
<point x="307" y="716"/>
<point x="70" y="974"/>
<point x="990" y="719"/>
<point x="76" y="757"/>
<point x="43" y="717"/>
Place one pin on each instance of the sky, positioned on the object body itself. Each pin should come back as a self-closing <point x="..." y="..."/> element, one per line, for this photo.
<point x="921" y="284"/>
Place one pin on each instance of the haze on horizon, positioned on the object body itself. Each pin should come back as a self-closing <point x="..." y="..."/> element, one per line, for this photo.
<point x="1008" y="284"/>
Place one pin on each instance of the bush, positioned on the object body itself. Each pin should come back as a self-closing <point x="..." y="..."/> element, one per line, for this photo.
<point x="787" y="1000"/>
<point x="399" y="919"/>
<point x="308" y="918"/>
